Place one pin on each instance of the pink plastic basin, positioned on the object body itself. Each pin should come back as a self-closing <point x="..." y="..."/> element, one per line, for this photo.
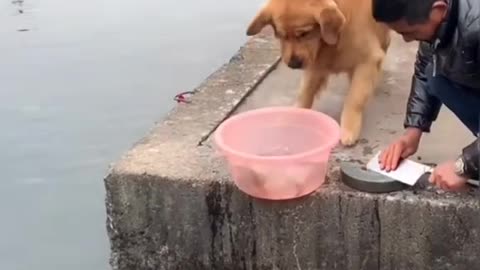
<point x="277" y="153"/>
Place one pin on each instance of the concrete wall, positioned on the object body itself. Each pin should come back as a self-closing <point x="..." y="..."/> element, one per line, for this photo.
<point x="171" y="204"/>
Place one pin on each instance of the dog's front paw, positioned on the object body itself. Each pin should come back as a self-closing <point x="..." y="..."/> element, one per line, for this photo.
<point x="297" y="104"/>
<point x="349" y="137"/>
<point x="302" y="104"/>
<point x="351" y="126"/>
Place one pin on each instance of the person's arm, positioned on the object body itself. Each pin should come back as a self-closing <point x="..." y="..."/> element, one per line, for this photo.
<point x="422" y="108"/>
<point x="471" y="159"/>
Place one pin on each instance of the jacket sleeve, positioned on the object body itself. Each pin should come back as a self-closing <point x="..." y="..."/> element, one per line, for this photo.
<point x="422" y="108"/>
<point x="471" y="158"/>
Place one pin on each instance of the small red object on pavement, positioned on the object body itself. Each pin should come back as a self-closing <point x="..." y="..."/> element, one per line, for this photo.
<point x="182" y="97"/>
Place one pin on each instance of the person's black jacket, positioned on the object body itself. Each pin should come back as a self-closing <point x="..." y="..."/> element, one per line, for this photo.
<point x="455" y="54"/>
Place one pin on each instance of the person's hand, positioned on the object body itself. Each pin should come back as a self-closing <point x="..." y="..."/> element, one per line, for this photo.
<point x="444" y="177"/>
<point x="402" y="148"/>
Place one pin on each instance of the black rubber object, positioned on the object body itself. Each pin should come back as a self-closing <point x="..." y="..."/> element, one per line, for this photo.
<point x="357" y="177"/>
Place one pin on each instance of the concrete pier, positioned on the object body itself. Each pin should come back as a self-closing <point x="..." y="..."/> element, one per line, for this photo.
<point x="171" y="204"/>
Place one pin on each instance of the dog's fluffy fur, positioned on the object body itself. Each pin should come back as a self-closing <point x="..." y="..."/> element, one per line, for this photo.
<point x="325" y="37"/>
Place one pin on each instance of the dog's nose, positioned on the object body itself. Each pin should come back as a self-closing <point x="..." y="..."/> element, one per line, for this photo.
<point x="295" y="63"/>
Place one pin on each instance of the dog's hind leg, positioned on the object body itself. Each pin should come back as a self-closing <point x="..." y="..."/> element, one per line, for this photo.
<point x="364" y="79"/>
<point x="312" y="83"/>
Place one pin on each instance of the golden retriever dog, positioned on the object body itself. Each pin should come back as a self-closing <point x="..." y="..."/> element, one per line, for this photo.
<point x="325" y="37"/>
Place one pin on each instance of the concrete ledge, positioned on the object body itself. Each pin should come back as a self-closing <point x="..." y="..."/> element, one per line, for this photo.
<point x="171" y="204"/>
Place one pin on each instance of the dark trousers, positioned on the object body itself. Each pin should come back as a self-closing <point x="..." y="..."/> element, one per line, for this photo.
<point x="464" y="102"/>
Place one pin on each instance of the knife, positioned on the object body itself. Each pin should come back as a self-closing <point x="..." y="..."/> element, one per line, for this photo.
<point x="407" y="172"/>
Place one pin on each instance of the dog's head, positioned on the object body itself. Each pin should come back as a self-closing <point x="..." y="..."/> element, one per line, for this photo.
<point x="302" y="26"/>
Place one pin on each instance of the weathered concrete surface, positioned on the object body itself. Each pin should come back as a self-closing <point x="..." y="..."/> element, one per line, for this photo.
<point x="171" y="204"/>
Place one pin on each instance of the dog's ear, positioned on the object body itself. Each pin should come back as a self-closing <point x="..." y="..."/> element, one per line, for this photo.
<point x="262" y="19"/>
<point x="331" y="22"/>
